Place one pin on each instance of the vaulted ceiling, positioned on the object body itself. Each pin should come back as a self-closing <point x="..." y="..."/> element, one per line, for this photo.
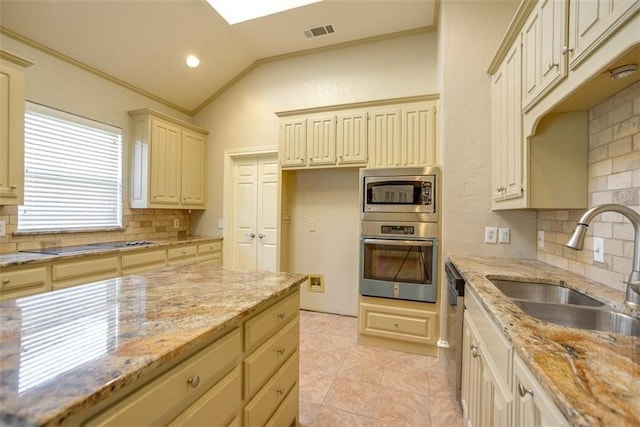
<point x="144" y="43"/>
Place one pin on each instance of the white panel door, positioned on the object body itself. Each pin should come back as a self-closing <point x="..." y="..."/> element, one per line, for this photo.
<point x="267" y="214"/>
<point x="255" y="212"/>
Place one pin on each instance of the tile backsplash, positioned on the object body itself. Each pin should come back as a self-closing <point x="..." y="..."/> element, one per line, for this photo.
<point x="614" y="177"/>
<point x="138" y="224"/>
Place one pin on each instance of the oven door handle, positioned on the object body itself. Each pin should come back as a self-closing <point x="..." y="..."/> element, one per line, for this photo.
<point x="398" y="242"/>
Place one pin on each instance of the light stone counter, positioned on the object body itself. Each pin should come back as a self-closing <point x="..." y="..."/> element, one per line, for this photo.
<point x="593" y="377"/>
<point x="65" y="351"/>
<point x="20" y="258"/>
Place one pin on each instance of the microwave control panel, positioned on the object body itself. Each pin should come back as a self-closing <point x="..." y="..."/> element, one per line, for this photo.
<point x="405" y="230"/>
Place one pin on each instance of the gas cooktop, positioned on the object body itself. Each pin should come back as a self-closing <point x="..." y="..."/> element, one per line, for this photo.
<point x="90" y="247"/>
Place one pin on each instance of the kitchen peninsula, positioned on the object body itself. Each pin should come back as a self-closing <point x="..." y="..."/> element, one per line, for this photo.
<point x="160" y="347"/>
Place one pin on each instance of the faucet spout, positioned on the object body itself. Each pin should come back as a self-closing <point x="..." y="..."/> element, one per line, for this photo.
<point x="576" y="241"/>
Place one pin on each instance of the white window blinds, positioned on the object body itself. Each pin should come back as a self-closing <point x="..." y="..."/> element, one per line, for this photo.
<point x="73" y="176"/>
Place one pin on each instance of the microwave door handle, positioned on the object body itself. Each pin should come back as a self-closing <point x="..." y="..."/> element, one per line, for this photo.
<point x="398" y="242"/>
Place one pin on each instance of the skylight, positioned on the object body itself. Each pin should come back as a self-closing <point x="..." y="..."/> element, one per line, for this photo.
<point x="235" y="11"/>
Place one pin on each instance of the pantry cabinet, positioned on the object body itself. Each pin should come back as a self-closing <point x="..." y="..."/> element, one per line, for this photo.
<point x="12" y="98"/>
<point x="367" y="134"/>
<point x="168" y="162"/>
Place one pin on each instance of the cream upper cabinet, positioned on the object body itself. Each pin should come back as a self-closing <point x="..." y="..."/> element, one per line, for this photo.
<point x="293" y="142"/>
<point x="168" y="162"/>
<point x="351" y="138"/>
<point x="372" y="134"/>
<point x="12" y="97"/>
<point x="591" y="22"/>
<point x="543" y="49"/>
<point x="321" y="140"/>
<point x="507" y="164"/>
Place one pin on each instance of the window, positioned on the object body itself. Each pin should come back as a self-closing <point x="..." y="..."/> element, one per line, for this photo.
<point x="73" y="173"/>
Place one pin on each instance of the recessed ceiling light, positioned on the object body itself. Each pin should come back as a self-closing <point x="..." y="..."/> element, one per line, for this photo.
<point x="193" y="61"/>
<point x="623" y="71"/>
<point x="235" y="11"/>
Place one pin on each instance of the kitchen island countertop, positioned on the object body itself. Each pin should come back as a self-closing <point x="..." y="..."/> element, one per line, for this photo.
<point x="593" y="377"/>
<point x="65" y="351"/>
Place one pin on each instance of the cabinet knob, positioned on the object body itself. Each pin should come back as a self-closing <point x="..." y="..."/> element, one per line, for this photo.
<point x="281" y="316"/>
<point x="500" y="189"/>
<point x="155" y="196"/>
<point x="280" y="391"/>
<point x="194" y="381"/>
<point x="566" y="49"/>
<point x="252" y="235"/>
<point x="281" y="351"/>
<point x="13" y="187"/>
<point x="261" y="235"/>
<point x="523" y="391"/>
<point x="553" y="64"/>
<point x="395" y="324"/>
<point x="5" y="281"/>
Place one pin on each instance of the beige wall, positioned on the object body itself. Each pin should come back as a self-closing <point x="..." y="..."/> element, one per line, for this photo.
<point x="244" y="116"/>
<point x="57" y="84"/>
<point x="614" y="177"/>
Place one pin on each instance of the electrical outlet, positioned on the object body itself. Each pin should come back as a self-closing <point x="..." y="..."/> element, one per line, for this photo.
<point x="541" y="238"/>
<point x="3" y="228"/>
<point x="491" y="235"/>
<point x="311" y="225"/>
<point x="176" y="223"/>
<point x="220" y="224"/>
<point x="598" y="249"/>
<point x="316" y="283"/>
<point x="503" y="235"/>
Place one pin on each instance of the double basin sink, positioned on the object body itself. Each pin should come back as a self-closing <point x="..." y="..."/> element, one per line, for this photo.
<point x="568" y="307"/>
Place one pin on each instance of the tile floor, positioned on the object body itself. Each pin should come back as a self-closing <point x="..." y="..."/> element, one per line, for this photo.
<point x="346" y="384"/>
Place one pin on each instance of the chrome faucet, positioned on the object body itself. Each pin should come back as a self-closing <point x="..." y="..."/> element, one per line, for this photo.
<point x="576" y="241"/>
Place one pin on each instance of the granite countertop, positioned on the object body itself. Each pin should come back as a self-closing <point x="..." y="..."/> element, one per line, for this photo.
<point x="20" y="258"/>
<point x="64" y="351"/>
<point x="593" y="377"/>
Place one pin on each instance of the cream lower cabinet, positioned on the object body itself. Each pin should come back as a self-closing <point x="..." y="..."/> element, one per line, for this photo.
<point x="80" y="271"/>
<point x="143" y="260"/>
<point x="210" y="253"/>
<point x="22" y="282"/>
<point x="497" y="388"/>
<point x="12" y="96"/>
<point x="401" y="325"/>
<point x="183" y="254"/>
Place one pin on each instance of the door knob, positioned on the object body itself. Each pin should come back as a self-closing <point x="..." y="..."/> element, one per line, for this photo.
<point x="252" y="235"/>
<point x="261" y="235"/>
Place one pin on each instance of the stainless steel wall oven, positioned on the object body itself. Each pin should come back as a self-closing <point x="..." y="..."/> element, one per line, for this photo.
<point x="399" y="229"/>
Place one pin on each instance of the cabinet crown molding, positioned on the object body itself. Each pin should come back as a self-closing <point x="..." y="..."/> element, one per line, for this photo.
<point x="149" y="111"/>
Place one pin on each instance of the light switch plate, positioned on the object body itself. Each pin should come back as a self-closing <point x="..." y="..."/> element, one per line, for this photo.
<point x="311" y="225"/>
<point x="504" y="235"/>
<point x="598" y="249"/>
<point x="220" y="224"/>
<point x="541" y="238"/>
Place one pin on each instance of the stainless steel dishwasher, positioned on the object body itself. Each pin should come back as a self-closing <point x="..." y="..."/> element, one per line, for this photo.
<point x="454" y="324"/>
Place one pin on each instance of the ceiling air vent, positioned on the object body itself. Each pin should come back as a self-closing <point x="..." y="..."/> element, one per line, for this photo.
<point x="311" y="33"/>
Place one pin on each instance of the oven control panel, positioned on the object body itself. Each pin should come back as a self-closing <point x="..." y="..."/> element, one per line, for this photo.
<point x="405" y="230"/>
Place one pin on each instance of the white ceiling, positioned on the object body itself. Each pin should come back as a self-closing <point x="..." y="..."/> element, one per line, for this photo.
<point x="145" y="42"/>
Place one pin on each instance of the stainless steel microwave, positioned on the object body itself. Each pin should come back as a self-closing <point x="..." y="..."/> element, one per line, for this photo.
<point x="399" y="194"/>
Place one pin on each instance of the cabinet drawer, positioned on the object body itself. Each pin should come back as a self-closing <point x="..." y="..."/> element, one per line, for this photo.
<point x="491" y="337"/>
<point x="263" y="406"/>
<point x="86" y="271"/>
<point x="218" y="407"/>
<point x="167" y="396"/>
<point x="23" y="282"/>
<point x="263" y="362"/>
<point x="264" y="325"/>
<point x="405" y="324"/>
<point x="182" y="254"/>
<point x="142" y="261"/>
<point x="287" y="413"/>
<point x="208" y="249"/>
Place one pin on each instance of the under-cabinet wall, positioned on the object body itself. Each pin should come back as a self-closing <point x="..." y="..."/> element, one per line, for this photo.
<point x="614" y="177"/>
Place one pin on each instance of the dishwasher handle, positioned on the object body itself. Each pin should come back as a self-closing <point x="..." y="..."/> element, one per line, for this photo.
<point x="426" y="243"/>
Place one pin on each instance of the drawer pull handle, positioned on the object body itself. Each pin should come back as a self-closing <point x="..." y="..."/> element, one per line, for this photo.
<point x="194" y="381"/>
<point x="281" y="351"/>
<point x="475" y="353"/>
<point x="13" y="187"/>
<point x="281" y="316"/>
<point x="523" y="391"/>
<point x="566" y="50"/>
<point x="5" y="281"/>
<point x="280" y="391"/>
<point x="395" y="324"/>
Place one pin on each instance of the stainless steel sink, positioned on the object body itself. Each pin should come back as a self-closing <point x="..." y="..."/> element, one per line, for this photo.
<point x="593" y="318"/>
<point x="543" y="292"/>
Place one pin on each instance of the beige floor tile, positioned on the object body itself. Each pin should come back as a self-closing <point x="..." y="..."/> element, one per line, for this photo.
<point x="332" y="417"/>
<point x="314" y="388"/>
<point x="353" y="396"/>
<point x="406" y="378"/>
<point x="403" y="408"/>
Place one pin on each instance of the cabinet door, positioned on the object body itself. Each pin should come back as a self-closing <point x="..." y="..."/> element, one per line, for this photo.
<point x="591" y="22"/>
<point x="471" y="375"/>
<point x="419" y="134"/>
<point x="321" y="140"/>
<point x="384" y="138"/>
<point x="543" y="39"/>
<point x="165" y="164"/>
<point x="351" y="138"/>
<point x="193" y="169"/>
<point x="495" y="395"/>
<point x="293" y="142"/>
<point x="507" y="127"/>
<point x="12" y="96"/>
<point x="532" y="408"/>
